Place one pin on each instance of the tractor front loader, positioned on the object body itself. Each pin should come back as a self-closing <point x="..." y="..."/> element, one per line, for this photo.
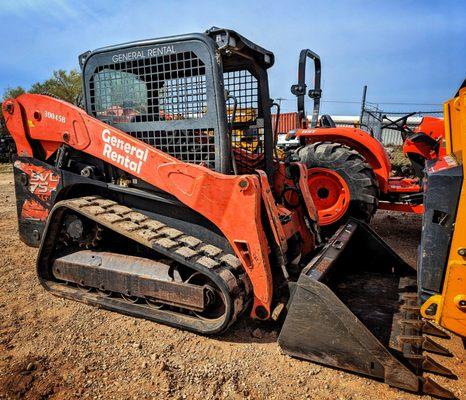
<point x="165" y="201"/>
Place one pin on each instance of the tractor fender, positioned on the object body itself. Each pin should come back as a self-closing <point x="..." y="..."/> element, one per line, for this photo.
<point x="427" y="139"/>
<point x="370" y="148"/>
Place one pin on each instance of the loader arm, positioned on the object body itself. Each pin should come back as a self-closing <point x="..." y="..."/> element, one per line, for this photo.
<point x="53" y="123"/>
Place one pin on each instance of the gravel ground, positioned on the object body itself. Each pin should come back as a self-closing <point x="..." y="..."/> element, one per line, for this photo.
<point x="58" y="349"/>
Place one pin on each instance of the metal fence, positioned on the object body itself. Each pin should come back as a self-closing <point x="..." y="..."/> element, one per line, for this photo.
<point x="373" y="119"/>
<point x="372" y="122"/>
<point x="388" y="137"/>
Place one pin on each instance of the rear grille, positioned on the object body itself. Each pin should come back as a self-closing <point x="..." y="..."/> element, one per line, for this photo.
<point x="188" y="145"/>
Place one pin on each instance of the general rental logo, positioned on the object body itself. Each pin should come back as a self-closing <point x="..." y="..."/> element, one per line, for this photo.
<point x="126" y="154"/>
<point x="143" y="53"/>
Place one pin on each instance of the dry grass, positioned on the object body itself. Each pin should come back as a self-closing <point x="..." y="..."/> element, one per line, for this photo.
<point x="401" y="165"/>
<point x="6" y="168"/>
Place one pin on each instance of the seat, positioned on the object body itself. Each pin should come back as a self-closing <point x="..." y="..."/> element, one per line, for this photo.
<point x="326" y="121"/>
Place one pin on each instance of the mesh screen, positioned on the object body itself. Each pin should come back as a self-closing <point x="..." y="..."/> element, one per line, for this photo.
<point x="247" y="137"/>
<point x="188" y="145"/>
<point x="171" y="87"/>
<point x="157" y="89"/>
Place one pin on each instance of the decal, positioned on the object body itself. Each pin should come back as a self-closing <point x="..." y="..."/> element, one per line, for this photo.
<point x="137" y="54"/>
<point x="442" y="163"/>
<point x="56" y="117"/>
<point x="42" y="183"/>
<point x="128" y="155"/>
<point x="33" y="210"/>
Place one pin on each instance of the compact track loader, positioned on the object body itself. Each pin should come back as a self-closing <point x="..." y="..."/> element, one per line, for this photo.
<point x="165" y="201"/>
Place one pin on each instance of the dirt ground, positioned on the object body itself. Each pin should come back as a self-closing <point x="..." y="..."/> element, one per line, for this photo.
<point x="58" y="349"/>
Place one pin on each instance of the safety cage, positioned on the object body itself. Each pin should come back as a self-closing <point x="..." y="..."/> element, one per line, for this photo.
<point x="201" y="98"/>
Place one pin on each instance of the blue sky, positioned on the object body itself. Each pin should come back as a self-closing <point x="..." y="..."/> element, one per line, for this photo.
<point x="405" y="51"/>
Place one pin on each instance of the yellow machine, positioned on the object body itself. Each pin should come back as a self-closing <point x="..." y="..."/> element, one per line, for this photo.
<point x="444" y="223"/>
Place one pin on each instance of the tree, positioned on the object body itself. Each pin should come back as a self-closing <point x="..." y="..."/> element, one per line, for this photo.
<point x="64" y="85"/>
<point x="13" y="92"/>
<point x="8" y="93"/>
<point x="7" y="147"/>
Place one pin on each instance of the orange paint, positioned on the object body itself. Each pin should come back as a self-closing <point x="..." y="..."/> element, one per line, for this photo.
<point x="233" y="203"/>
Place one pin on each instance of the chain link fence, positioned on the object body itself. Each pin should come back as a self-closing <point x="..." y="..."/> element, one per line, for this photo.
<point x="373" y="119"/>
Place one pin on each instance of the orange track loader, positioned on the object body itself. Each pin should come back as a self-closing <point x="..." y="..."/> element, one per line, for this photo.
<point x="144" y="205"/>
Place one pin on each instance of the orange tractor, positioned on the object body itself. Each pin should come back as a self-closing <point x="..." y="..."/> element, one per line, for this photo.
<point x="162" y="214"/>
<point x="349" y="171"/>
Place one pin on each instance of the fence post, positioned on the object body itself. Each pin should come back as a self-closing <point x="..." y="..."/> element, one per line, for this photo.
<point x="363" y="104"/>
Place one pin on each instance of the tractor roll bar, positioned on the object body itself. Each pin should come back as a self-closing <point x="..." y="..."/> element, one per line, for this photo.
<point x="299" y="90"/>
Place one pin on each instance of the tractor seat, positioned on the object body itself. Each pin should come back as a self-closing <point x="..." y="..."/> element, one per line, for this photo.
<point x="326" y="121"/>
<point x="423" y="137"/>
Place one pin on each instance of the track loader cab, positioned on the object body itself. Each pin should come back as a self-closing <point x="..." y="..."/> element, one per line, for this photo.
<point x="198" y="97"/>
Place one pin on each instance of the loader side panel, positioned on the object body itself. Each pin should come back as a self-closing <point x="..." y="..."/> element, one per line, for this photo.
<point x="441" y="202"/>
<point x="36" y="188"/>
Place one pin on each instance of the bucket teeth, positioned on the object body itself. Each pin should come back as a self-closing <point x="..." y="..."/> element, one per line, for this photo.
<point x="412" y="309"/>
<point x="432" y="388"/>
<point x="425" y="343"/>
<point x="428" y="364"/>
<point x="425" y="327"/>
<point x="409" y="295"/>
<point x="416" y="324"/>
<point x="429" y="345"/>
<point x="430" y="329"/>
<point x="410" y="300"/>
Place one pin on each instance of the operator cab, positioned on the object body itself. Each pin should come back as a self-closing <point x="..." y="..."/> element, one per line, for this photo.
<point x="202" y="98"/>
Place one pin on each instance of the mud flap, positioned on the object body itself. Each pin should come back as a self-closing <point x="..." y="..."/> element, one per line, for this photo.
<point x="350" y="308"/>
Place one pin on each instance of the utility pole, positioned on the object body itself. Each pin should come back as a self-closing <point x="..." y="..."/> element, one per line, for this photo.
<point x="363" y="104"/>
<point x="279" y="99"/>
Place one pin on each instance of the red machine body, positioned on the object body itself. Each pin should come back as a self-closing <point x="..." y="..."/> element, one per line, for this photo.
<point x="419" y="142"/>
<point x="355" y="156"/>
<point x="374" y="153"/>
<point x="423" y="143"/>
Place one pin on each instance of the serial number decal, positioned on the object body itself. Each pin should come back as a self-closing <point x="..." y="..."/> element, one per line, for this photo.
<point x="126" y="154"/>
<point x="137" y="54"/>
<point x="56" y="117"/>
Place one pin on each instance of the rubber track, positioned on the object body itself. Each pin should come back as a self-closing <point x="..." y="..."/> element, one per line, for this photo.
<point x="171" y="243"/>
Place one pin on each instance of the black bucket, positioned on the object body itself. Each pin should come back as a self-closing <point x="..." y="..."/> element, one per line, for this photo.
<point x="350" y="309"/>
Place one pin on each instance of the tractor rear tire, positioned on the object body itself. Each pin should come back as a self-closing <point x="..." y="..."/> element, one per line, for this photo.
<point x="334" y="169"/>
